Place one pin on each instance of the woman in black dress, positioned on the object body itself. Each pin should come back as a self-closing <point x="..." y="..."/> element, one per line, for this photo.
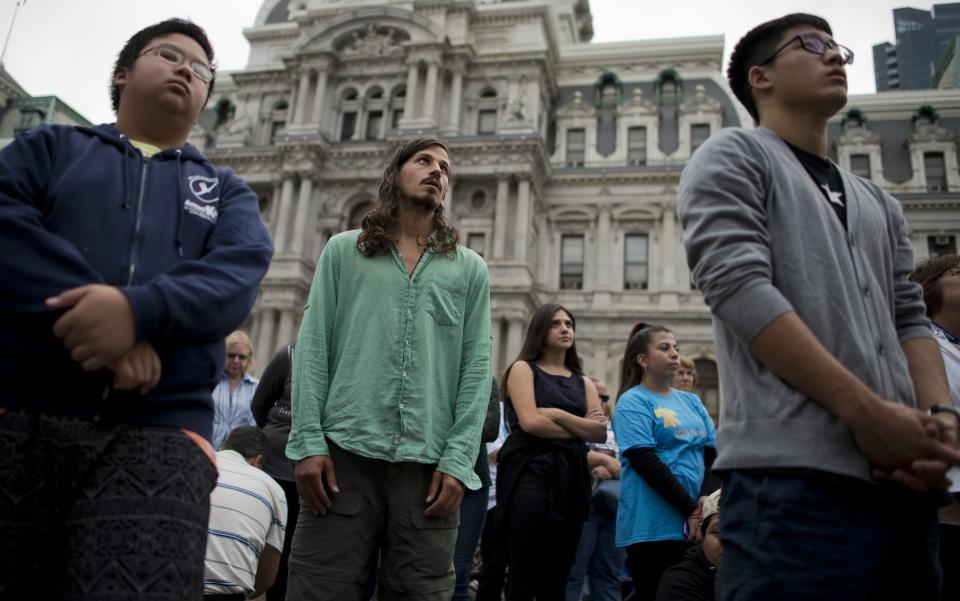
<point x="543" y="481"/>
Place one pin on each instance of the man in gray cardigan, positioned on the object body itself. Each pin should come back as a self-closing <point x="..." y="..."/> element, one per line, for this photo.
<point x="835" y="434"/>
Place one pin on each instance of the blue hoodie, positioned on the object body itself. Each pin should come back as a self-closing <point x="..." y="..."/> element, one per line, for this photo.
<point x="182" y="239"/>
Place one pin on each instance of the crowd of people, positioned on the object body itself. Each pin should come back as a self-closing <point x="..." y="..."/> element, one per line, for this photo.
<point x="375" y="457"/>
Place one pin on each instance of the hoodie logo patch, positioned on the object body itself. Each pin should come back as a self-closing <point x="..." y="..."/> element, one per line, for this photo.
<point x="203" y="188"/>
<point x="208" y="212"/>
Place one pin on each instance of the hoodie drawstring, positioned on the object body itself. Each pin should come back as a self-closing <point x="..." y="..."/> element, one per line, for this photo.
<point x="181" y="196"/>
<point x="126" y="173"/>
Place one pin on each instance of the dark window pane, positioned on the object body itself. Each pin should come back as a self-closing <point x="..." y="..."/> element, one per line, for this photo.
<point x="487" y="121"/>
<point x="374" y="124"/>
<point x="637" y="146"/>
<point x="397" y="116"/>
<point x="699" y="133"/>
<point x="936" y="171"/>
<point x="349" y="126"/>
<point x="860" y="165"/>
<point x="942" y="245"/>
<point x="571" y="262"/>
<point x="576" y="143"/>
<point x="476" y="243"/>
<point x="635" y="264"/>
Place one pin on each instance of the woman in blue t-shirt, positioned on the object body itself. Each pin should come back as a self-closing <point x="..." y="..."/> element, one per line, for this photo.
<point x="667" y="444"/>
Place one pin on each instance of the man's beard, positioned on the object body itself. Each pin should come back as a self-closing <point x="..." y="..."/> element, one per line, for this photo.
<point x="425" y="203"/>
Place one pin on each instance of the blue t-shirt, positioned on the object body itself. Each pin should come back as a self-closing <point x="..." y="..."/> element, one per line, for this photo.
<point x="678" y="426"/>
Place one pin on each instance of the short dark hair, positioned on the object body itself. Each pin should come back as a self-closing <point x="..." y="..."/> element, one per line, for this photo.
<point x="135" y="46"/>
<point x="249" y="441"/>
<point x="928" y="274"/>
<point x="759" y="43"/>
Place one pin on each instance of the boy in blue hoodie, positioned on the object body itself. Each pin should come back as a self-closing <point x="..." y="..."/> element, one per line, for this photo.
<point x="127" y="258"/>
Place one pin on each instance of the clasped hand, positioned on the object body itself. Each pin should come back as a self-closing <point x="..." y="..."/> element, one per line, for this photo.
<point x="98" y="328"/>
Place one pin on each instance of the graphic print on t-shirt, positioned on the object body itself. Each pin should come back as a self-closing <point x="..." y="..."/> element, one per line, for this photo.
<point x="834" y="197"/>
<point x="669" y="417"/>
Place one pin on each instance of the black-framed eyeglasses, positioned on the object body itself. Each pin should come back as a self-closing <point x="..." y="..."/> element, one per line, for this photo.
<point x="813" y="43"/>
<point x="240" y="356"/>
<point x="176" y="58"/>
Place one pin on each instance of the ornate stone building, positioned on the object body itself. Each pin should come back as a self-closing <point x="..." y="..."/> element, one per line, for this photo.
<point x="566" y="154"/>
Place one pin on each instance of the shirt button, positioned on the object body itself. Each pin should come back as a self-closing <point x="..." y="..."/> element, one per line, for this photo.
<point x="396" y="439"/>
<point x="880" y="349"/>
<point x="866" y="290"/>
<point x="401" y="405"/>
<point x="404" y="374"/>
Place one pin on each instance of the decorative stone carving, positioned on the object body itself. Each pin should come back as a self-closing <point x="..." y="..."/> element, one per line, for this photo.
<point x="235" y="133"/>
<point x="374" y="40"/>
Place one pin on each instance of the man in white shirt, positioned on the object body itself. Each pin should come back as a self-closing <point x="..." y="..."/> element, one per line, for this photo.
<point x="248" y="512"/>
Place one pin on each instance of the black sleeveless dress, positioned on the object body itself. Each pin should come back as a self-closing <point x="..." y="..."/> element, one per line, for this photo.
<point x="561" y="462"/>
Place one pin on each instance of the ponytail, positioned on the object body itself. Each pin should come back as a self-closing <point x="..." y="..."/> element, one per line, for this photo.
<point x="631" y="373"/>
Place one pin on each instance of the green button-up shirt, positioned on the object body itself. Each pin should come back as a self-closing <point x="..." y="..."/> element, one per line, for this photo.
<point x="394" y="367"/>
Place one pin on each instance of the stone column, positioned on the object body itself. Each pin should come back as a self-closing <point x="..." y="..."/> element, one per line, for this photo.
<point x="523" y="220"/>
<point x="602" y="265"/>
<point x="319" y="97"/>
<point x="410" y="101"/>
<point x="500" y="219"/>
<point x="496" y="359"/>
<point x="283" y="219"/>
<point x="285" y="333"/>
<point x="448" y="204"/>
<point x="275" y="207"/>
<point x="300" y="113"/>
<point x="265" y="342"/>
<point x="291" y="103"/>
<point x="300" y="221"/>
<point x="667" y="242"/>
<point x="514" y="338"/>
<point x="430" y="94"/>
<point x="456" y="95"/>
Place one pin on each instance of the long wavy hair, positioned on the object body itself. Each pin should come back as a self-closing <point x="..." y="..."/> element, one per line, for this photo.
<point x="631" y="373"/>
<point x="536" y="339"/>
<point x="380" y="223"/>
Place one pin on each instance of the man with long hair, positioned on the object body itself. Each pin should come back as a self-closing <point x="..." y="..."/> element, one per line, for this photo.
<point x="390" y="385"/>
<point x="128" y="257"/>
<point x="832" y="379"/>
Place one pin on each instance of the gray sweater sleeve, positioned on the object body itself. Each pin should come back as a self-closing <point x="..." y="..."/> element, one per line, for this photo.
<point x="909" y="312"/>
<point x="722" y="208"/>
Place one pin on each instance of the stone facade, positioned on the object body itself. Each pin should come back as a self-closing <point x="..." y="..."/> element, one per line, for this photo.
<point x="566" y="154"/>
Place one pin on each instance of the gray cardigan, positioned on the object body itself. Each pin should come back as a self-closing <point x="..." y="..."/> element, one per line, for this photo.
<point x="761" y="241"/>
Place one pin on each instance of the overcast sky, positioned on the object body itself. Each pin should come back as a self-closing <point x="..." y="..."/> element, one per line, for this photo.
<point x="67" y="47"/>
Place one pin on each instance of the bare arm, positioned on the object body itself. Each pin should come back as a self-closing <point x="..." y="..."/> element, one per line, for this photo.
<point x="596" y="459"/>
<point x="520" y="390"/>
<point x="890" y="435"/>
<point x="266" y="570"/>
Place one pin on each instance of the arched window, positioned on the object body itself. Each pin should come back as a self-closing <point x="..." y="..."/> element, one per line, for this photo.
<point x="376" y="111"/>
<point x="668" y="88"/>
<point x="349" y="114"/>
<point x="397" y="99"/>
<point x="478" y="200"/>
<point x="357" y="214"/>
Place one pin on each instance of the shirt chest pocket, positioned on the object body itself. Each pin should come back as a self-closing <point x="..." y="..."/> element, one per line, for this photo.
<point x="445" y="301"/>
